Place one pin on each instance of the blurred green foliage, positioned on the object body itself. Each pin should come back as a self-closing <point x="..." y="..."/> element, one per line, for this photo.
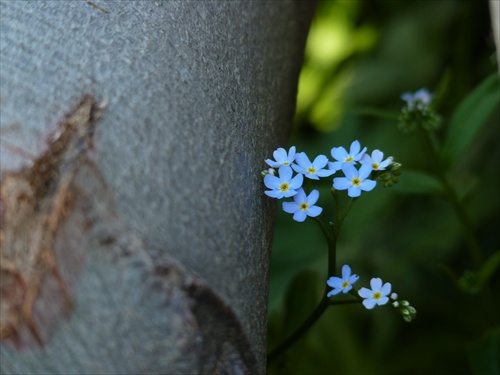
<point x="360" y="57"/>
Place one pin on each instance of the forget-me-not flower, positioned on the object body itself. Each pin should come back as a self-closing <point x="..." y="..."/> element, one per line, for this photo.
<point x="354" y="181"/>
<point x="303" y="206"/>
<point x="342" y="156"/>
<point x="283" y="186"/>
<point x="421" y="96"/>
<point x="342" y="284"/>
<point x="312" y="170"/>
<point x="375" y="160"/>
<point x="377" y="295"/>
<point x="282" y="157"/>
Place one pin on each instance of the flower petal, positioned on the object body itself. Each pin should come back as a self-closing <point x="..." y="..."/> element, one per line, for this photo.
<point x="274" y="194"/>
<point x="339" y="153"/>
<point x="290" y="207"/>
<point x="368" y="185"/>
<point x="377" y="156"/>
<point x="334" y="282"/>
<point x="355" y="147"/>
<point x="365" y="171"/>
<point x="289" y="193"/>
<point x="285" y="173"/>
<point x="300" y="197"/>
<point x="299" y="216"/>
<point x="341" y="183"/>
<point x="369" y="303"/>
<point x="314" y="211"/>
<point x="296" y="182"/>
<point x="324" y="173"/>
<point x="386" y="289"/>
<point x="350" y="170"/>
<point x="354" y="191"/>
<point x="302" y="160"/>
<point x="279" y="154"/>
<point x="347" y="288"/>
<point x="353" y="278"/>
<point x="272" y="163"/>
<point x="382" y="301"/>
<point x="320" y="162"/>
<point x="376" y="283"/>
<point x="313" y="197"/>
<point x="333" y="292"/>
<point x="335" y="166"/>
<point x="272" y="182"/>
<point x="346" y="271"/>
<point x="365" y="293"/>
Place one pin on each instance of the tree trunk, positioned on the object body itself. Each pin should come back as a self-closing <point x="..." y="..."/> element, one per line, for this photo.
<point x="135" y="234"/>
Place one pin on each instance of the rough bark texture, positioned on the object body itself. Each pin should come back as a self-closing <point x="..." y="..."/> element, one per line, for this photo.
<point x="160" y="231"/>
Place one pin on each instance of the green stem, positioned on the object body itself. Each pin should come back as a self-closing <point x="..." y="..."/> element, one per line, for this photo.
<point x="313" y="318"/>
<point x="330" y="232"/>
<point x="473" y="245"/>
<point x="330" y="235"/>
<point x="343" y="216"/>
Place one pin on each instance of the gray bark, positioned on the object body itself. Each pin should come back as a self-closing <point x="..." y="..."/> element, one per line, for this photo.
<point x="165" y="249"/>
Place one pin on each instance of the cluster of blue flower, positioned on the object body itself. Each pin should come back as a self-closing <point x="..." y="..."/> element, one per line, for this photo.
<point x="377" y="295"/>
<point x="284" y="185"/>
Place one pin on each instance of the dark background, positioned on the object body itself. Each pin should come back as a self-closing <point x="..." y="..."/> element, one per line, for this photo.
<point x="361" y="56"/>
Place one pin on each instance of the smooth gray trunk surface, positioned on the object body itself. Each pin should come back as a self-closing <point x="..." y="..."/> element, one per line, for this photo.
<point x="166" y="249"/>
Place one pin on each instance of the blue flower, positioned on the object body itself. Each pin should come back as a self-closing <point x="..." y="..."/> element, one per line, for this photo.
<point x="376" y="160"/>
<point x="303" y="206"/>
<point x="421" y="96"/>
<point x="377" y="295"/>
<point x="342" y="156"/>
<point x="354" y="181"/>
<point x="343" y="284"/>
<point x="283" y="186"/>
<point x="281" y="157"/>
<point x="312" y="170"/>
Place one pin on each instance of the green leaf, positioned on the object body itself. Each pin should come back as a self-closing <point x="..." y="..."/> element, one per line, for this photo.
<point x="415" y="182"/>
<point x="469" y="116"/>
<point x="472" y="282"/>
<point x="488" y="268"/>
<point x="484" y="354"/>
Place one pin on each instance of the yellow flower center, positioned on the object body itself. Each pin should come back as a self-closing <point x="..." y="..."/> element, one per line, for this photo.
<point x="284" y="186"/>
<point x="304" y="206"/>
<point x="311" y="170"/>
<point x="356" y="181"/>
<point x="349" y="159"/>
<point x="375" y="166"/>
<point x="345" y="284"/>
<point x="286" y="163"/>
<point x="377" y="295"/>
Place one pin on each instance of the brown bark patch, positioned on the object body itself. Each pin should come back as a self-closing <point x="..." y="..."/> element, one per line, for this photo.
<point x="36" y="202"/>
